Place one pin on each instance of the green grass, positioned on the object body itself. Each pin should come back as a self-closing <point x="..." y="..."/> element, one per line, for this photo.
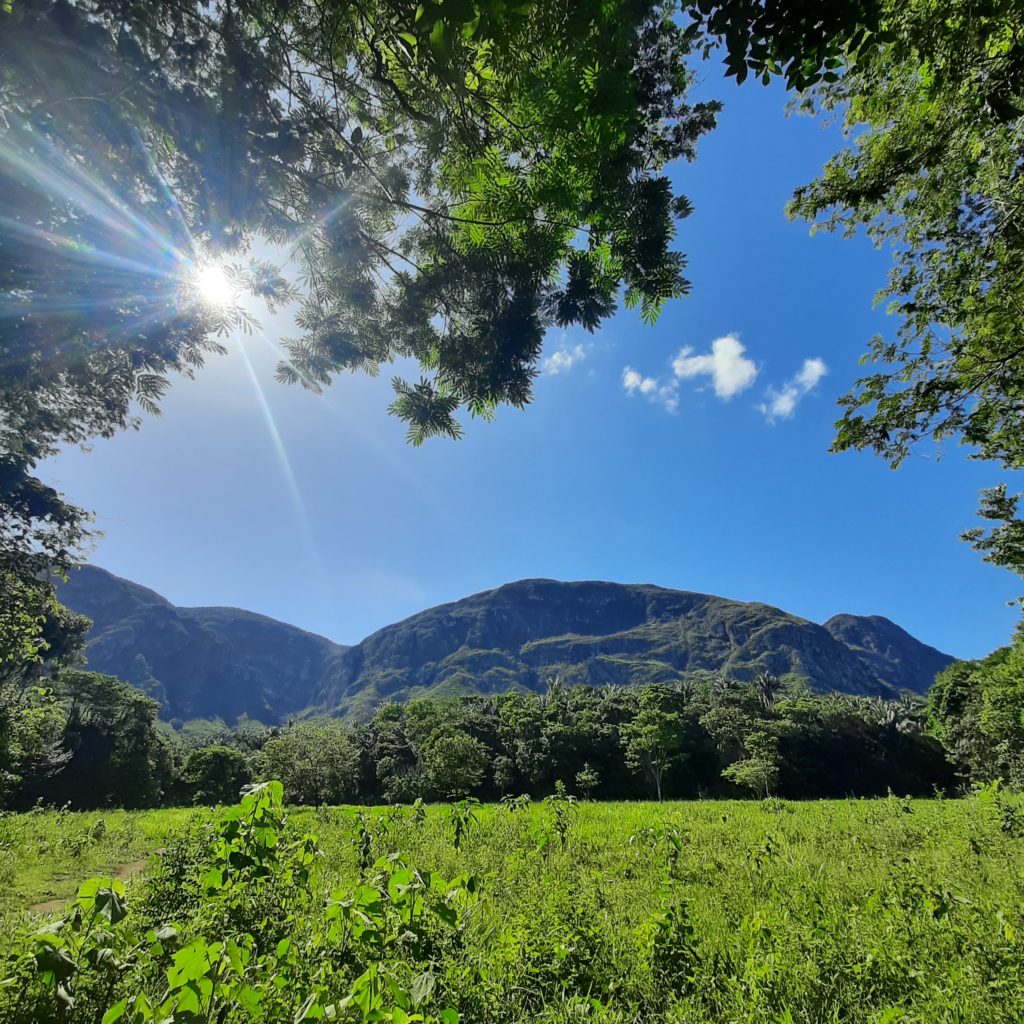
<point x="723" y="912"/>
<point x="44" y="855"/>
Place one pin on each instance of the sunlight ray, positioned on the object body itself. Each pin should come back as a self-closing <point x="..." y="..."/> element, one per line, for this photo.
<point x="75" y="186"/>
<point x="281" y="455"/>
<point x="427" y="495"/>
<point x="321" y="221"/>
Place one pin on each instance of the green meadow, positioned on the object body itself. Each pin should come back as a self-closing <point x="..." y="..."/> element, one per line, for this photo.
<point x="719" y="911"/>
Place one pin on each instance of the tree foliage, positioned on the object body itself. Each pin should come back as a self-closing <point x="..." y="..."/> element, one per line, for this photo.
<point x="91" y="741"/>
<point x="454" y="765"/>
<point x="216" y="774"/>
<point x="449" y="179"/>
<point x="652" y="739"/>
<point x="935" y="114"/>
<point x="317" y="762"/>
<point x="805" y="41"/>
<point x="758" y="770"/>
<point x="977" y="711"/>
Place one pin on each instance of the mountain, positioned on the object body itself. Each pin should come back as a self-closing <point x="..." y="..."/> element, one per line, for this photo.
<point x="206" y="662"/>
<point x="520" y="634"/>
<point x="198" y="662"/>
<point x="892" y="653"/>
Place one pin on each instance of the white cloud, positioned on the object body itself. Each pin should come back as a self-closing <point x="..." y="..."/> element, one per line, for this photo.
<point x="811" y="373"/>
<point x="729" y="369"/>
<point x="668" y="395"/>
<point x="562" y="360"/>
<point x="781" y="403"/>
<point x="636" y="383"/>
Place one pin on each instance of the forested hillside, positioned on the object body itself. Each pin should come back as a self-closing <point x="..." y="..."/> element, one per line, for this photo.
<point x="520" y="635"/>
<point x="223" y="662"/>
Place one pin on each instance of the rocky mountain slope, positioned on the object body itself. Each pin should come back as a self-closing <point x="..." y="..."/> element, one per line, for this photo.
<point x="202" y="662"/>
<point x="519" y="635"/>
<point x="891" y="651"/>
<point x="199" y="662"/>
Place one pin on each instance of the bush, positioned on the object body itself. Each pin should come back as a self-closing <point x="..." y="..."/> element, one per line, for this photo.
<point x="216" y="775"/>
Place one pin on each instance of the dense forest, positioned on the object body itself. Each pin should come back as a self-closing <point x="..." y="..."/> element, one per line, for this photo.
<point x="89" y="740"/>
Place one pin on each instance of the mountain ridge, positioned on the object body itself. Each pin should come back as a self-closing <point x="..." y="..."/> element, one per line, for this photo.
<point x="653" y="633"/>
<point x="221" y="661"/>
<point x="202" y="662"/>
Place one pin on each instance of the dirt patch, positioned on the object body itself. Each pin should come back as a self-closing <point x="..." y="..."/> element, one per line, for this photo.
<point x="123" y="873"/>
<point x="49" y="907"/>
<point x="126" y="871"/>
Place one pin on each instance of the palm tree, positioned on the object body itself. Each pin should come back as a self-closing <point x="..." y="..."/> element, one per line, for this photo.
<point x="904" y="714"/>
<point x="721" y="688"/>
<point x="555" y="689"/>
<point x="767" y="688"/>
<point x="685" y="688"/>
<point x="909" y="709"/>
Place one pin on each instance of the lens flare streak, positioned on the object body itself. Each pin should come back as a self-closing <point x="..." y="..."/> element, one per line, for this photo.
<point x="280" y="452"/>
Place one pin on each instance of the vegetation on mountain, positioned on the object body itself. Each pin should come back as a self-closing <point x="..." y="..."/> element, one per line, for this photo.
<point x="198" y="662"/>
<point x="226" y="663"/>
<point x="892" y="653"/>
<point x="88" y="740"/>
<point x="519" y="635"/>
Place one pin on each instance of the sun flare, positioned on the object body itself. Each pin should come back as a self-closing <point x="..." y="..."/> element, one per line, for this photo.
<point x="214" y="285"/>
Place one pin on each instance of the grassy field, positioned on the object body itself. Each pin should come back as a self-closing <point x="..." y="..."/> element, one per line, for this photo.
<point x="45" y="855"/>
<point x="876" y="911"/>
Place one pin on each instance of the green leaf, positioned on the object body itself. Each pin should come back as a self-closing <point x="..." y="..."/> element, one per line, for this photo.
<point x="250" y="999"/>
<point x="213" y="879"/>
<point x="116" y="1012"/>
<point x="446" y="914"/>
<point x="422" y="987"/>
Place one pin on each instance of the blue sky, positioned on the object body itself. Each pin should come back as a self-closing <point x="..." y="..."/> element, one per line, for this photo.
<point x="313" y="510"/>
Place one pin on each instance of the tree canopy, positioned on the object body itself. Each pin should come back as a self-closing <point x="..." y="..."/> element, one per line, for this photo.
<point x="445" y="181"/>
<point x="94" y="741"/>
<point x="450" y="179"/>
<point x="976" y="708"/>
<point x="935" y="114"/>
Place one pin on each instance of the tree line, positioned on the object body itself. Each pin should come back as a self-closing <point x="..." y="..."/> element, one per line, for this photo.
<point x="70" y="736"/>
<point x="89" y="740"/>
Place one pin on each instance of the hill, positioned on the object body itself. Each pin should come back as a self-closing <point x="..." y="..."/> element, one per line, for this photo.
<point x="198" y="662"/>
<point x="520" y="634"/>
<point x="205" y="662"/>
<point x="892" y="653"/>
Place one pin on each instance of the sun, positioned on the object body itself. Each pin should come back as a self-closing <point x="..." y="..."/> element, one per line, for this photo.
<point x="214" y="285"/>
